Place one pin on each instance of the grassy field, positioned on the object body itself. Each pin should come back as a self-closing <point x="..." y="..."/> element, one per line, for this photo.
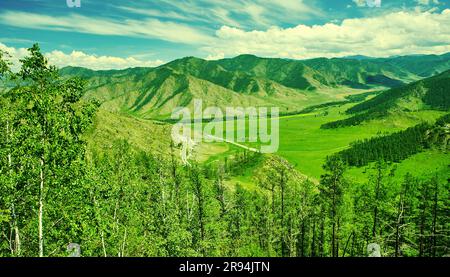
<point x="302" y="142"/>
<point x="142" y="134"/>
<point x="423" y="165"/>
<point x="306" y="146"/>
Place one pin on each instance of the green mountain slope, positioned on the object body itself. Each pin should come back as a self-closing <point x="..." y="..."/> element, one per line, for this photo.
<point x="422" y="65"/>
<point x="242" y="81"/>
<point x="430" y="93"/>
<point x="360" y="73"/>
<point x="316" y="73"/>
<point x="144" y="135"/>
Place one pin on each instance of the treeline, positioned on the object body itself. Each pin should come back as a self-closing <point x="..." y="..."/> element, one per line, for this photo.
<point x="406" y="218"/>
<point x="432" y="91"/>
<point x="398" y="146"/>
<point x="312" y="108"/>
<point x="382" y="101"/>
<point x="357" y="118"/>
<point x="42" y="119"/>
<point x="126" y="202"/>
<point x="353" y="98"/>
<point x="348" y="99"/>
<point x="394" y="147"/>
<point x="353" y="120"/>
<point x="367" y="110"/>
<point x="440" y="98"/>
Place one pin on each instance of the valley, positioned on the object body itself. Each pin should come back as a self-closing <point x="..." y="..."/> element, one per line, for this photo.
<point x="129" y="190"/>
<point x="239" y="81"/>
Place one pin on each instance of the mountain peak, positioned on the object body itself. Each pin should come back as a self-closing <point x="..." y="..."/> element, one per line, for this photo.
<point x="246" y="57"/>
<point x="358" y="57"/>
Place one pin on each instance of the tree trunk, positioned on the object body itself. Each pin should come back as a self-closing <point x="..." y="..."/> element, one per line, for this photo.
<point x="423" y="220"/>
<point x="333" y="235"/>
<point x="41" y="210"/>
<point x="283" y="236"/>
<point x="200" y="202"/>
<point x="346" y="244"/>
<point x="322" y="238"/>
<point x="435" y="208"/>
<point x="377" y="195"/>
<point x="17" y="244"/>
<point x="397" y="227"/>
<point x="7" y="142"/>
<point x="337" y="236"/>
<point x="174" y="171"/>
<point x="313" y="243"/>
<point x="302" y="241"/>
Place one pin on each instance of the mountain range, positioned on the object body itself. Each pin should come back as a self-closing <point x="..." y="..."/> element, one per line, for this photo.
<point x="427" y="94"/>
<point x="248" y="80"/>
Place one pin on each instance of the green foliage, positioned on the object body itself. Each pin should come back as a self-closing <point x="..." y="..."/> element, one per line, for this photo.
<point x="44" y="120"/>
<point x="120" y="197"/>
<point x="428" y="93"/>
<point x="353" y="120"/>
<point x="394" y="147"/>
<point x="240" y="81"/>
<point x="397" y="146"/>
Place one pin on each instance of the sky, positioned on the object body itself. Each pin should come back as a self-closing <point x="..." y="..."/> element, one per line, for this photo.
<point x="116" y="34"/>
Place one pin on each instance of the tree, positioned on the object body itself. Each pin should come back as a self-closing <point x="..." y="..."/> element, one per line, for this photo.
<point x="49" y="119"/>
<point x="332" y="187"/>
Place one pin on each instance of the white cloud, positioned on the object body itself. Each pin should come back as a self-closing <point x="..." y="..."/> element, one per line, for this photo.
<point x="194" y="14"/>
<point x="148" y="28"/>
<point x="368" y="3"/>
<point x="260" y="13"/>
<point x="216" y="56"/>
<point x="15" y="53"/>
<point x="78" y="58"/>
<point x="398" y="33"/>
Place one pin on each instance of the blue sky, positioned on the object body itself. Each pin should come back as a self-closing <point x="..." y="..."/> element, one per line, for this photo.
<point x="117" y="34"/>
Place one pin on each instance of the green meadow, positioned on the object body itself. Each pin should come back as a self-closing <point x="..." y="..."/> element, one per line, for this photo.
<point x="305" y="145"/>
<point x="108" y="177"/>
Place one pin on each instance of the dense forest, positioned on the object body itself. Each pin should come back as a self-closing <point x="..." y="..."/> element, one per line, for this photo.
<point x="398" y="146"/>
<point x="429" y="93"/>
<point x="126" y="202"/>
<point x="353" y="120"/>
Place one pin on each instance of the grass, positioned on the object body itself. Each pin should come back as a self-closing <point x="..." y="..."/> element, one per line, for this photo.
<point x="424" y="165"/>
<point x="302" y="142"/>
<point x="142" y="134"/>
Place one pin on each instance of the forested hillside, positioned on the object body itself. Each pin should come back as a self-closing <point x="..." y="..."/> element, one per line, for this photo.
<point x="399" y="146"/>
<point x="422" y="65"/>
<point x="429" y="93"/>
<point x="245" y="79"/>
<point x="74" y="172"/>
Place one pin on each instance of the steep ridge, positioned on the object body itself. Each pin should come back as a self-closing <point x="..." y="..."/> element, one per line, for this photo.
<point x="430" y="93"/>
<point x="245" y="80"/>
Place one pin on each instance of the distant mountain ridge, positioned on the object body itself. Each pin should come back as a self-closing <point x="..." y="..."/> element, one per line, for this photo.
<point x="249" y="80"/>
<point x="429" y="93"/>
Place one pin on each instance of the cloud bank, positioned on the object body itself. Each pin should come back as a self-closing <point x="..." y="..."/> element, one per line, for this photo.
<point x="147" y="28"/>
<point x="398" y="33"/>
<point x="78" y="58"/>
<point x="418" y="31"/>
